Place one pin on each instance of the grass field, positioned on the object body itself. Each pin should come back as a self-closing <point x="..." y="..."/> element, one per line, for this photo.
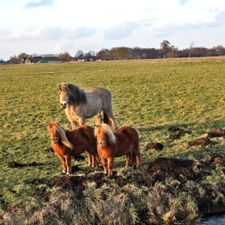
<point x="149" y="95"/>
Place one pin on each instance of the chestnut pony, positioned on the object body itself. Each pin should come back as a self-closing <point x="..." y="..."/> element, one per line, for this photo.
<point x="67" y="144"/>
<point x="124" y="141"/>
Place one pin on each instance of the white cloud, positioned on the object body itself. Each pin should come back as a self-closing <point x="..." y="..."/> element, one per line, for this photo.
<point x="183" y="2"/>
<point x="41" y="3"/>
<point x="80" y="32"/>
<point x="171" y="29"/>
<point x="45" y="34"/>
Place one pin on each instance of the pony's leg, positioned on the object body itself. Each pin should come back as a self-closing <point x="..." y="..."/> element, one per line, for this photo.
<point x="94" y="161"/>
<point x="127" y="160"/>
<point x="110" y="163"/>
<point x="138" y="160"/>
<point x="89" y="159"/>
<point x="97" y="160"/>
<point x="104" y="163"/>
<point x="62" y="160"/>
<point x="68" y="164"/>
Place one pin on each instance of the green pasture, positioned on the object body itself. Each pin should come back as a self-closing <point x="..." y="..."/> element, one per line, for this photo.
<point x="149" y="95"/>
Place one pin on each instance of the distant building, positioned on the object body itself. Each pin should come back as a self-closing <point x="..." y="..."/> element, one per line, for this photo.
<point x="2" y="62"/>
<point x="40" y="59"/>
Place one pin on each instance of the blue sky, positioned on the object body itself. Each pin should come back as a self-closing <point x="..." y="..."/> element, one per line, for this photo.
<point x="55" y="26"/>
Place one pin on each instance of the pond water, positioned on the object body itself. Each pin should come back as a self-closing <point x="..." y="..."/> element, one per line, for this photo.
<point x="214" y="220"/>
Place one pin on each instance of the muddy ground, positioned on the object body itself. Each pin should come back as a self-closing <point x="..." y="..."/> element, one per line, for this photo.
<point x="157" y="171"/>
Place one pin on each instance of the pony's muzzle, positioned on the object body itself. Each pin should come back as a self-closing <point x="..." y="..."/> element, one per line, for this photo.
<point x="63" y="105"/>
<point x="55" y="140"/>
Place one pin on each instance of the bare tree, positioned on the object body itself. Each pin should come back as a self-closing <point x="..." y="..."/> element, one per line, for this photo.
<point x="90" y="56"/>
<point x="166" y="47"/>
<point x="104" y="54"/>
<point x="22" y="55"/>
<point x="14" y="60"/>
<point x="65" y="57"/>
<point x="79" y="55"/>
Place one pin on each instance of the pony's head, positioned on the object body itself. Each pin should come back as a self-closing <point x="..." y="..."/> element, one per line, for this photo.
<point x="104" y="135"/>
<point x="70" y="94"/>
<point x="58" y="135"/>
<point x="54" y="134"/>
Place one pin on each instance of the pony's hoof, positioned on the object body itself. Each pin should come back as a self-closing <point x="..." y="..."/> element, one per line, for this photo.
<point x="110" y="175"/>
<point x="68" y="174"/>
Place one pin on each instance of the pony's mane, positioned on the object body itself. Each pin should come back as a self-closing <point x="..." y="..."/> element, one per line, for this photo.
<point x="77" y="95"/>
<point x="54" y="126"/>
<point x="105" y="128"/>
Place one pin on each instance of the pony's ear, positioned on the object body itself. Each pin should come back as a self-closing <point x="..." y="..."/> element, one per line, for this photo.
<point x="59" y="87"/>
<point x="50" y="125"/>
<point x="66" y="87"/>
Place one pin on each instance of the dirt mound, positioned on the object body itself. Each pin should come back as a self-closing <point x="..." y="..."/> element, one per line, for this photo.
<point x="157" y="146"/>
<point x="180" y="169"/>
<point x="212" y="160"/>
<point x="75" y="183"/>
<point x="14" y="164"/>
<point x="98" y="178"/>
<point x="201" y="141"/>
<point x="176" y="132"/>
<point x="42" y="185"/>
<point x="162" y="168"/>
<point x="217" y="132"/>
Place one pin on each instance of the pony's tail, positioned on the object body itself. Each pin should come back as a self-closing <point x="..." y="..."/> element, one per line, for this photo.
<point x="64" y="138"/>
<point x="106" y="118"/>
<point x="135" y="159"/>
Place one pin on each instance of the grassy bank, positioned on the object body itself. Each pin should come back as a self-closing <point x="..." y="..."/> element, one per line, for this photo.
<point x="149" y="95"/>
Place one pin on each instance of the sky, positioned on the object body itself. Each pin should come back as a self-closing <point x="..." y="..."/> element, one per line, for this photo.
<point x="57" y="26"/>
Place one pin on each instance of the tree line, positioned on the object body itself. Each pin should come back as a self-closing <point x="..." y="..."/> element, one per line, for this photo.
<point x="166" y="50"/>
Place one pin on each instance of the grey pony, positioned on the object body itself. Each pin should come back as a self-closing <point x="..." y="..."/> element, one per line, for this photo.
<point x="80" y="105"/>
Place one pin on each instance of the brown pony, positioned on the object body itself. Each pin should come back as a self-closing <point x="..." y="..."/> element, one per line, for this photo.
<point x="67" y="144"/>
<point x="124" y="141"/>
